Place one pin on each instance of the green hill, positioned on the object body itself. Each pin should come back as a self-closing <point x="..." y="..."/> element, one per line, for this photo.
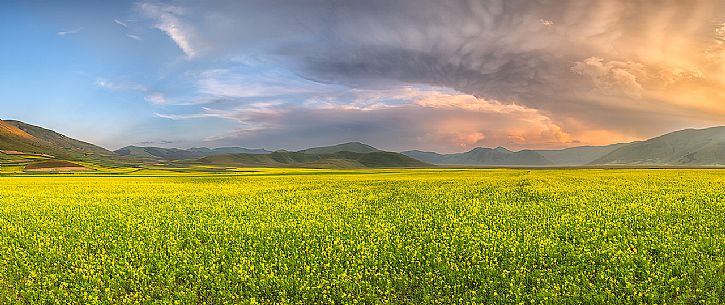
<point x="498" y="156"/>
<point x="343" y="159"/>
<point x="170" y="154"/>
<point x="23" y="143"/>
<point x="355" y="147"/>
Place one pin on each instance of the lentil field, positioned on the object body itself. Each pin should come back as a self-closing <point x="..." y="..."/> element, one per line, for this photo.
<point x="434" y="236"/>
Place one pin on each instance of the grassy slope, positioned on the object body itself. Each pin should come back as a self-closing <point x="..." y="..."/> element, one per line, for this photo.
<point x="483" y="156"/>
<point x="19" y="136"/>
<point x="296" y="159"/>
<point x="159" y="153"/>
<point x="356" y="147"/>
<point x="577" y="156"/>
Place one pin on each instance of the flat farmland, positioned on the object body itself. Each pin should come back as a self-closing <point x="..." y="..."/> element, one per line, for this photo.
<point x="418" y="236"/>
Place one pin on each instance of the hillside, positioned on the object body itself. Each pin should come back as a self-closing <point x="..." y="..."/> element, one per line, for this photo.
<point x="21" y="143"/>
<point x="226" y="150"/>
<point x="576" y="156"/>
<point x="356" y="147"/>
<point x="21" y="137"/>
<point x="343" y="159"/>
<point x="55" y="166"/>
<point x="483" y="156"/>
<point x="689" y="147"/>
<point x="171" y="154"/>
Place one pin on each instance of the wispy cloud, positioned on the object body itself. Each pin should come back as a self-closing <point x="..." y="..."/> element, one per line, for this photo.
<point x="64" y="33"/>
<point x="120" y="86"/>
<point x="151" y="96"/>
<point x="121" y="23"/>
<point x="156" y="98"/>
<point x="162" y="142"/>
<point x="134" y="37"/>
<point x="167" y="18"/>
<point x="255" y="84"/>
<point x="177" y="117"/>
<point x="546" y="22"/>
<point x="720" y="32"/>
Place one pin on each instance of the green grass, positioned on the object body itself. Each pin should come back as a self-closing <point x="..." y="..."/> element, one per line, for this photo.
<point x="375" y="236"/>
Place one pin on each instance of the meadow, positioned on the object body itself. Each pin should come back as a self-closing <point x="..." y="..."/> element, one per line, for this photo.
<point x="426" y="236"/>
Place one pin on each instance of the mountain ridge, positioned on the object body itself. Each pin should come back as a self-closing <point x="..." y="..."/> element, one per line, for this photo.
<point x="701" y="147"/>
<point x="172" y="154"/>
<point x="22" y="137"/>
<point x="688" y="147"/>
<point x="356" y="147"/>
<point x="342" y="159"/>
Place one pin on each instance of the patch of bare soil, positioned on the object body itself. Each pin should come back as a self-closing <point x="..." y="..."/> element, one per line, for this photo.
<point x="55" y="166"/>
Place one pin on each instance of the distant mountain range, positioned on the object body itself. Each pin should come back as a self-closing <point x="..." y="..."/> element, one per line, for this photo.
<point x="183" y="154"/>
<point x="482" y="156"/>
<point x="339" y="159"/>
<point x="690" y="148"/>
<point x="575" y="156"/>
<point x="347" y="155"/>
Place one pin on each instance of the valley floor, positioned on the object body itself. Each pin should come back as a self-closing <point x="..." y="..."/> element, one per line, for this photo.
<point x="489" y="236"/>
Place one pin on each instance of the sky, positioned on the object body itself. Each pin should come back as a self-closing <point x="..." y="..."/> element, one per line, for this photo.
<point x="444" y="76"/>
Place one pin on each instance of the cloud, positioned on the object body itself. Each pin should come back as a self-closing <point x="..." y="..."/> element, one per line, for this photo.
<point x="167" y="18"/>
<point x="546" y="22"/>
<point x="135" y="37"/>
<point x="64" y="33"/>
<point x="149" y="95"/>
<point x="435" y="118"/>
<point x="178" y="117"/>
<point x="155" y="98"/>
<point x="610" y="70"/>
<point x="159" y="142"/>
<point x="229" y="84"/>
<point x="612" y="75"/>
<point x="123" y="24"/>
<point x="120" y="86"/>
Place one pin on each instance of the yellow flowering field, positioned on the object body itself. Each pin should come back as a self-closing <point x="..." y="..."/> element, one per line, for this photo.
<point x="428" y="236"/>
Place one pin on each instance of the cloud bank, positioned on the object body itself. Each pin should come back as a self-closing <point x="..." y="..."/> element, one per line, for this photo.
<point x="534" y="74"/>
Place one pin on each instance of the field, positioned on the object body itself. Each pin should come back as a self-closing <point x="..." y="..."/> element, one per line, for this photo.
<point x="422" y="236"/>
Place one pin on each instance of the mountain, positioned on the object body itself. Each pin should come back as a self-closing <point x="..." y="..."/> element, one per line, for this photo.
<point x="689" y="147"/>
<point x="356" y="147"/>
<point x="426" y="156"/>
<point x="498" y="156"/>
<point x="171" y="154"/>
<point x="227" y="150"/>
<point x="22" y="143"/>
<point x="16" y="136"/>
<point x="341" y="159"/>
<point x="576" y="156"/>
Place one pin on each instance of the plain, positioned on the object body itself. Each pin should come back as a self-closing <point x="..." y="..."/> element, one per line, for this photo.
<point x="502" y="236"/>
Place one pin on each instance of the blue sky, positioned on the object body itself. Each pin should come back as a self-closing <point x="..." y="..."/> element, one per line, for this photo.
<point x="398" y="75"/>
